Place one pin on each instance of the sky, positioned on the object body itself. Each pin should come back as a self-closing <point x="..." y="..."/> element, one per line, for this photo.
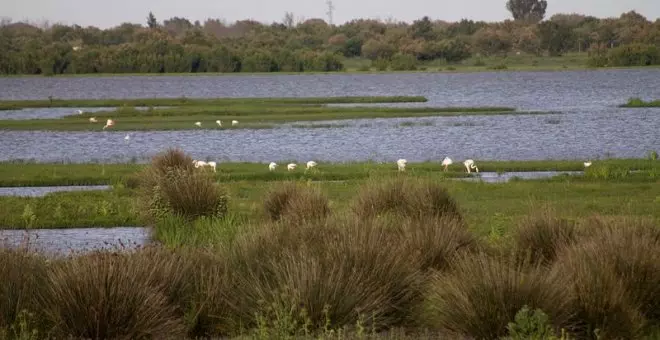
<point x="109" y="13"/>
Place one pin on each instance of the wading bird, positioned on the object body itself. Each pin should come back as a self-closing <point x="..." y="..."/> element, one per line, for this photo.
<point x="109" y="123"/>
<point x="93" y="120"/>
<point x="212" y="165"/>
<point x="311" y="164"/>
<point x="587" y="164"/>
<point x="80" y="112"/>
<point x="199" y="124"/>
<point x="401" y="164"/>
<point x="127" y="138"/>
<point x="234" y="122"/>
<point x="469" y="164"/>
<point x="272" y="166"/>
<point x="219" y="122"/>
<point x="447" y="162"/>
<point x="291" y="166"/>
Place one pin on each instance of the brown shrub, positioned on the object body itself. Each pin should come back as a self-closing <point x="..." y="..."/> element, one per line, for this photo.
<point x="295" y="202"/>
<point x="22" y="274"/>
<point x="116" y="296"/>
<point x="415" y="198"/>
<point x="542" y="235"/>
<point x="481" y="295"/>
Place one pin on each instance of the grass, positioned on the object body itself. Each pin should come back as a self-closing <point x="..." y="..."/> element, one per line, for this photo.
<point x="355" y="258"/>
<point x="352" y="276"/>
<point x="26" y="173"/>
<point x="184" y="101"/>
<point x="638" y="102"/>
<point x="251" y="117"/>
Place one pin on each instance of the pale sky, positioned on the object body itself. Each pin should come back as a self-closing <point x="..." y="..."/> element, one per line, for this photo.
<point x="108" y="13"/>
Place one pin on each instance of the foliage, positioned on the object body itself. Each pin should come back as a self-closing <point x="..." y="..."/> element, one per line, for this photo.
<point x="295" y="203"/>
<point x="542" y="236"/>
<point x="177" y="45"/>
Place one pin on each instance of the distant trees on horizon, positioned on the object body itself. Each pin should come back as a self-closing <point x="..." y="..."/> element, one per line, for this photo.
<point x="179" y="45"/>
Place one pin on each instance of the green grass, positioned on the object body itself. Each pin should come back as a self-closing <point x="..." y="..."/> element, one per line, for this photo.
<point x="53" y="174"/>
<point x="249" y="116"/>
<point x="489" y="208"/>
<point x="184" y="101"/>
<point x="638" y="102"/>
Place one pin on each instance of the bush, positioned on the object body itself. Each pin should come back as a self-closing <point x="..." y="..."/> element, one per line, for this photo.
<point x="171" y="185"/>
<point x="415" y="198"/>
<point x="634" y="55"/>
<point x="542" y="236"/>
<point x="296" y="203"/>
<point x="403" y="62"/>
<point x="22" y="274"/>
<point x="481" y="295"/>
<point x="434" y="241"/>
<point x="328" y="274"/>
<point x="616" y="277"/>
<point x="116" y="296"/>
<point x="193" y="194"/>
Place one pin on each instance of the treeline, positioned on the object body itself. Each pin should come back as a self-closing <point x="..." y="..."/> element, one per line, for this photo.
<point x="178" y="45"/>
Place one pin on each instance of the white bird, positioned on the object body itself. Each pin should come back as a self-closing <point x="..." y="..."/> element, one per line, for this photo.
<point x="291" y="166"/>
<point x="212" y="165"/>
<point x="109" y="123"/>
<point x="198" y="124"/>
<point x="234" y="122"/>
<point x="80" y="112"/>
<point x="219" y="122"/>
<point x="272" y="166"/>
<point x="311" y="164"/>
<point x="197" y="163"/>
<point x="587" y="164"/>
<point x="93" y="120"/>
<point x="127" y="137"/>
<point x="469" y="164"/>
<point x="447" y="162"/>
<point x="401" y="164"/>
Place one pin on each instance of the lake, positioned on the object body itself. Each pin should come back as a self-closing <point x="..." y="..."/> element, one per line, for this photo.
<point x="589" y="124"/>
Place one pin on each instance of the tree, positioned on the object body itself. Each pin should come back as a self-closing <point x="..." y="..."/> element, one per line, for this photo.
<point x="527" y="10"/>
<point x="151" y="20"/>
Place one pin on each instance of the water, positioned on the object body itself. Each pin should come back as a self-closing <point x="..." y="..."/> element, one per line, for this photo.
<point x="494" y="177"/>
<point x="589" y="125"/>
<point x="65" y="241"/>
<point x="42" y="191"/>
<point x="55" y="112"/>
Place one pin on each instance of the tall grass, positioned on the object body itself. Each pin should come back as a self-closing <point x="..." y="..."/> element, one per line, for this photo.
<point x="616" y="278"/>
<point x="543" y="235"/>
<point x="22" y="275"/>
<point x="410" y="197"/>
<point x="295" y="202"/>
<point x="172" y="186"/>
<point x="481" y="295"/>
<point x="115" y="296"/>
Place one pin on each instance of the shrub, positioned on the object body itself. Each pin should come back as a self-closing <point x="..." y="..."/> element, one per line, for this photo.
<point x="403" y="62"/>
<point x="193" y="194"/>
<point x="542" y="236"/>
<point x="617" y="277"/>
<point x="171" y="185"/>
<point x="414" y="198"/>
<point x="115" y="296"/>
<point x="434" y="241"/>
<point x="296" y="203"/>
<point x="336" y="272"/>
<point x="481" y="295"/>
<point x="21" y="275"/>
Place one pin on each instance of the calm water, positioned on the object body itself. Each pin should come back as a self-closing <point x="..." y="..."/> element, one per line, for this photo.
<point x="494" y="177"/>
<point x="42" y="191"/>
<point x="64" y="241"/>
<point x="589" y="124"/>
<point x="52" y="113"/>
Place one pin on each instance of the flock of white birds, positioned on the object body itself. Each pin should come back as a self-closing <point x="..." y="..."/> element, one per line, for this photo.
<point x="401" y="163"/>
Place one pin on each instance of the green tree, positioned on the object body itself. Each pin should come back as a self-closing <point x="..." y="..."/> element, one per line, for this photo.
<point x="527" y="10"/>
<point x="151" y="20"/>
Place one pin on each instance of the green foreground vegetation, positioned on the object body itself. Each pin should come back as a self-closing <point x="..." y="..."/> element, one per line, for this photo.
<point x="605" y="188"/>
<point x="638" y="102"/>
<point x="395" y="256"/>
<point x="184" y="113"/>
